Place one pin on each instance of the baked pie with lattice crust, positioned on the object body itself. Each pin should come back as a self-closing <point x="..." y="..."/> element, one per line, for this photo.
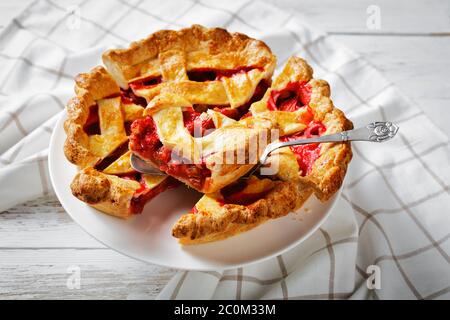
<point x="193" y="103"/>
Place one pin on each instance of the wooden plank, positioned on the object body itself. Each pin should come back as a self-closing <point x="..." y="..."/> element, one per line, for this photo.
<point x="42" y="223"/>
<point x="397" y="17"/>
<point x="43" y="230"/>
<point x="419" y="66"/>
<point x="39" y="242"/>
<point x="104" y="274"/>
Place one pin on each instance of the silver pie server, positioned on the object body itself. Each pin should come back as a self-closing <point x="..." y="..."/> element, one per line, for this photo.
<point x="373" y="132"/>
<point x="144" y="167"/>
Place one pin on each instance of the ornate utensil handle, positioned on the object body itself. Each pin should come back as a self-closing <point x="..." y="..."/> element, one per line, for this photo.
<point x="373" y="132"/>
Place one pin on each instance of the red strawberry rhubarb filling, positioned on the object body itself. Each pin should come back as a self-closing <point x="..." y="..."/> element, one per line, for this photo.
<point x="291" y="98"/>
<point x="144" y="141"/>
<point x="294" y="96"/>
<point x="144" y="194"/>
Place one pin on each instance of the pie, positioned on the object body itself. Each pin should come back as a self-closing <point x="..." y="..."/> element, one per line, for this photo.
<point x="199" y="105"/>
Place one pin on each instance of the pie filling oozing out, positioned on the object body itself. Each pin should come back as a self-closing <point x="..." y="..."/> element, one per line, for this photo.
<point x="145" y="82"/>
<point x="291" y="98"/>
<point x="239" y="193"/>
<point x="92" y="124"/>
<point x="145" y="142"/>
<point x="294" y="96"/>
<point x="144" y="193"/>
<point x="306" y="154"/>
<point x="128" y="97"/>
<point x="242" y="192"/>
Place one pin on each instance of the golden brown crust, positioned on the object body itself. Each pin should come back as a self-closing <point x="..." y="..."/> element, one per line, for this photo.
<point x="206" y="47"/>
<point x="230" y="219"/>
<point x="106" y="193"/>
<point x="97" y="83"/>
<point x="329" y="170"/>
<point x="89" y="88"/>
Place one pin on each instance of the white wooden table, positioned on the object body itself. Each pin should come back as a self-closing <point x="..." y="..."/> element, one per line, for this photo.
<point x="39" y="243"/>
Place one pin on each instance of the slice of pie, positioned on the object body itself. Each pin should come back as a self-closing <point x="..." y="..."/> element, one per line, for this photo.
<point x="97" y="128"/>
<point x="299" y="107"/>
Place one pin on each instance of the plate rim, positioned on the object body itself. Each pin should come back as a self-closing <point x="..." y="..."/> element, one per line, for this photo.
<point x="268" y="256"/>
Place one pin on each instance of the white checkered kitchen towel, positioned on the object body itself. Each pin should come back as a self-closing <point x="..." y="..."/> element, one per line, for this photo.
<point x="393" y="212"/>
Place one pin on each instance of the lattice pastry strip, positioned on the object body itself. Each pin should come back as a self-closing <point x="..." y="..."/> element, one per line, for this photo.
<point x="112" y="129"/>
<point x="97" y="143"/>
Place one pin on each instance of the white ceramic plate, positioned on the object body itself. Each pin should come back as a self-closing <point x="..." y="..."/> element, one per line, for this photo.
<point x="147" y="237"/>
